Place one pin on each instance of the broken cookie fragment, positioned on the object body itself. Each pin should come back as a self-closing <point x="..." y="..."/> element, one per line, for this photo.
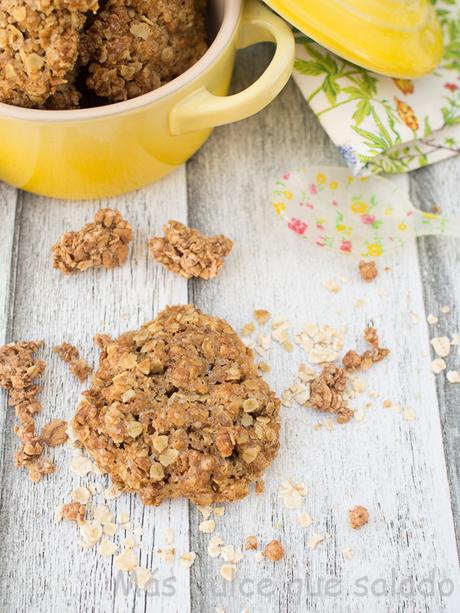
<point x="102" y="243"/>
<point x="177" y="408"/>
<point x="274" y="551"/>
<point x="328" y="390"/>
<point x="188" y="252"/>
<point x="368" y="270"/>
<point x="71" y="356"/>
<point x="358" y="516"/>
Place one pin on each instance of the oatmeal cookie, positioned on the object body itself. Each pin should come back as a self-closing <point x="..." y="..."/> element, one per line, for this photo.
<point x="39" y="42"/>
<point x="190" y="253"/>
<point x="135" y="46"/>
<point x="177" y="408"/>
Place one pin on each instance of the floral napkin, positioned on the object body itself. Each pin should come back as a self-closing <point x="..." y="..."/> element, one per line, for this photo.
<point x="381" y="124"/>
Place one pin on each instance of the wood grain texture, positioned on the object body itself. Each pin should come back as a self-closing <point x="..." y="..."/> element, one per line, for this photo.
<point x="43" y="567"/>
<point x="440" y="266"/>
<point x="8" y="206"/>
<point x="393" y="467"/>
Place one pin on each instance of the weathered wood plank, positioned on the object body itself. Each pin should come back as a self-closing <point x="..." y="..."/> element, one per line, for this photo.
<point x="8" y="206"/>
<point x="440" y="265"/>
<point x="394" y="467"/>
<point x="43" y="567"/>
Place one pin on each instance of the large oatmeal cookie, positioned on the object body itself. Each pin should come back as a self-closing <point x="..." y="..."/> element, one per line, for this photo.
<point x="135" y="46"/>
<point x="177" y="408"/>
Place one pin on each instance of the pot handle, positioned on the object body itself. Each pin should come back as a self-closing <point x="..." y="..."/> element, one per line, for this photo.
<point x="203" y="110"/>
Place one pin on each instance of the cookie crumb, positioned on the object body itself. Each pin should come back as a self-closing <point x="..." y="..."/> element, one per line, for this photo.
<point x="438" y="365"/>
<point x="347" y="553"/>
<point x="358" y="516"/>
<point x="74" y="511"/>
<point x="274" y="551"/>
<point x="305" y="520"/>
<point x="102" y="243"/>
<point x="251" y="542"/>
<point x="368" y="270"/>
<point x="432" y="319"/>
<point x="188" y="252"/>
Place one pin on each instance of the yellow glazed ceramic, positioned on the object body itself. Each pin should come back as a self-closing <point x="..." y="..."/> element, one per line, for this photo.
<point x="399" y="38"/>
<point x="99" y="152"/>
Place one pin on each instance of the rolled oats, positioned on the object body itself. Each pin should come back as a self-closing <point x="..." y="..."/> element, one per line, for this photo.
<point x="305" y="520"/>
<point x="190" y="253"/>
<point x="101" y="243"/>
<point x="126" y="560"/>
<point x="207" y="526"/>
<point x="441" y="346"/>
<point x="453" y="376"/>
<point x="71" y="356"/>
<point x="187" y="559"/>
<point x="107" y="548"/>
<point x="142" y="577"/>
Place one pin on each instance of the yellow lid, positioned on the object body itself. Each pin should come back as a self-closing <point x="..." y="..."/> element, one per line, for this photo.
<point x="399" y="38"/>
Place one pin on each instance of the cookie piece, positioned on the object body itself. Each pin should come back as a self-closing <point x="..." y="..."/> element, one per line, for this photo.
<point x="39" y="48"/>
<point x="177" y="408"/>
<point x="190" y="253"/>
<point x="104" y="242"/>
<point x="135" y="46"/>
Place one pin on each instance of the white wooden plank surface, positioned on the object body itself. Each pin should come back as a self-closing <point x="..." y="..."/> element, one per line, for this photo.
<point x="43" y="567"/>
<point x="393" y="467"/>
<point x="440" y="265"/>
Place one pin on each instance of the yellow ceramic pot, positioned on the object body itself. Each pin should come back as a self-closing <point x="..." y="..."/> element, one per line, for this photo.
<point x="99" y="152"/>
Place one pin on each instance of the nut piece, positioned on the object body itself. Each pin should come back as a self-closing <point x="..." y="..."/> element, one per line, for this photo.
<point x="358" y="517"/>
<point x="190" y="253"/>
<point x="188" y="415"/>
<point x="102" y="243"/>
<point x="274" y="551"/>
<point x="368" y="270"/>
